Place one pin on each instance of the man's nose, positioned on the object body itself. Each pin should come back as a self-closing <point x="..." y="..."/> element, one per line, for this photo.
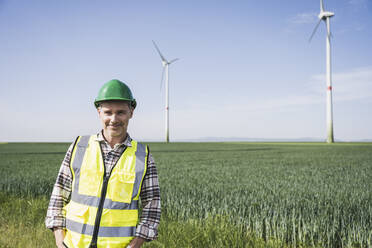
<point x="114" y="118"/>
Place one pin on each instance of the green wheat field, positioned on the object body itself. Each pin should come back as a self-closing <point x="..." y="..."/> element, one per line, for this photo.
<point x="217" y="194"/>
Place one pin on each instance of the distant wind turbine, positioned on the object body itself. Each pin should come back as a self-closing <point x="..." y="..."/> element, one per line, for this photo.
<point x="166" y="64"/>
<point x="325" y="16"/>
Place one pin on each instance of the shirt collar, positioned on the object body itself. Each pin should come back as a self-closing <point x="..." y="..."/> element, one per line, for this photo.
<point x="126" y="142"/>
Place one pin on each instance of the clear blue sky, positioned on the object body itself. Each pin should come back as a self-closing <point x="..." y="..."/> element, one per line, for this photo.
<point x="246" y="68"/>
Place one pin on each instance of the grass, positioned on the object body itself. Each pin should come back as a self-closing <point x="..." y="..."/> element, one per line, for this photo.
<point x="220" y="194"/>
<point x="22" y="221"/>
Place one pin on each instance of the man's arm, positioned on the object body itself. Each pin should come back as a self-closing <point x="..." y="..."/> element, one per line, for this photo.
<point x="55" y="218"/>
<point x="147" y="229"/>
<point x="59" y="235"/>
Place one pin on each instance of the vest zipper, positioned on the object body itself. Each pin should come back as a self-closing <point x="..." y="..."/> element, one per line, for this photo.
<point x="99" y="212"/>
<point x="93" y="243"/>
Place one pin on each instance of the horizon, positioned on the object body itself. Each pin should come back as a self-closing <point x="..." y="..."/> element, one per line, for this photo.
<point x="226" y="140"/>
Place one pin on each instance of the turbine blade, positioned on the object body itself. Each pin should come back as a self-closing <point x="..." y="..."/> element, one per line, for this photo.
<point x="162" y="78"/>
<point x="174" y="60"/>
<point x="321" y="6"/>
<point x="314" y="31"/>
<point x="157" y="49"/>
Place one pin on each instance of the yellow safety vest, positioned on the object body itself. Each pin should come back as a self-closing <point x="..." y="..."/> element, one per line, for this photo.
<point x="103" y="210"/>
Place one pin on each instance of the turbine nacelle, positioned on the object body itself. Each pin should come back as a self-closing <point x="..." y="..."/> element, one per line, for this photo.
<point x="165" y="62"/>
<point x="324" y="14"/>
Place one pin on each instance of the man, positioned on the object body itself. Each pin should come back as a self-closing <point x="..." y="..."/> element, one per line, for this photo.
<point x="94" y="202"/>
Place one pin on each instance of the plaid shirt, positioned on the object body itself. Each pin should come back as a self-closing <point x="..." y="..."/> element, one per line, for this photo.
<point x="150" y="192"/>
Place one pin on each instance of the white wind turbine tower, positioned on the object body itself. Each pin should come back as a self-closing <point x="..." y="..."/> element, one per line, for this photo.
<point x="166" y="64"/>
<point x="325" y="16"/>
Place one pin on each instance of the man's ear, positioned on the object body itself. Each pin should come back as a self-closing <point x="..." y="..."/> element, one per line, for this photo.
<point x="131" y="112"/>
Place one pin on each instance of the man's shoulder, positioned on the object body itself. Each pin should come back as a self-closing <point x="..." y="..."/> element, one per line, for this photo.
<point x="140" y="143"/>
<point x="82" y="139"/>
<point x="95" y="136"/>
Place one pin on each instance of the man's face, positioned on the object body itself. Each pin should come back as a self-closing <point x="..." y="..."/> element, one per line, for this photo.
<point x="115" y="117"/>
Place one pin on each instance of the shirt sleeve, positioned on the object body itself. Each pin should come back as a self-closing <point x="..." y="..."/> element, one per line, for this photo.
<point x="55" y="217"/>
<point x="150" y="199"/>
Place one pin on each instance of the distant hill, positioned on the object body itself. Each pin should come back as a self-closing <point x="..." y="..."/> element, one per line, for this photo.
<point x="237" y="139"/>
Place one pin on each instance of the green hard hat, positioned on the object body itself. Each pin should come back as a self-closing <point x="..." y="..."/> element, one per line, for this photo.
<point x="115" y="90"/>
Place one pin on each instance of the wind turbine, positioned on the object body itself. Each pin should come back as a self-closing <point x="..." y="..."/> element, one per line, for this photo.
<point x="166" y="64"/>
<point x="325" y="16"/>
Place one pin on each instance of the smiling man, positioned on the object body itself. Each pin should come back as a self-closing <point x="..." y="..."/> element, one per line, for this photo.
<point x="95" y="199"/>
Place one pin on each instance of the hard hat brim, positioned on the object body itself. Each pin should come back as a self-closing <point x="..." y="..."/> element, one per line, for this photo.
<point x="132" y="101"/>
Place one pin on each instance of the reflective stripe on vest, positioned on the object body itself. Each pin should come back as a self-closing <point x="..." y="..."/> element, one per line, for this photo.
<point x="117" y="217"/>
